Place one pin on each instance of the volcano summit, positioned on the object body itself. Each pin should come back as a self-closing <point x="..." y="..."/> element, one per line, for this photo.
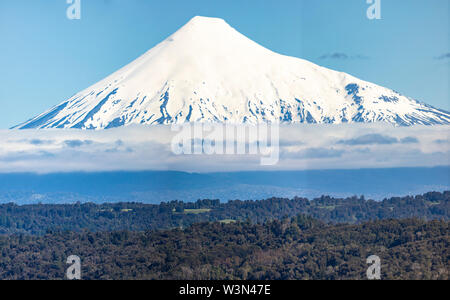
<point x="209" y="72"/>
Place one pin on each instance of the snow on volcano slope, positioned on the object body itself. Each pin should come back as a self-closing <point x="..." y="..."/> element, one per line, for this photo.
<point x="209" y="72"/>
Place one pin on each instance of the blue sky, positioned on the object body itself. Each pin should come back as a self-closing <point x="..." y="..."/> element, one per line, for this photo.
<point x="46" y="58"/>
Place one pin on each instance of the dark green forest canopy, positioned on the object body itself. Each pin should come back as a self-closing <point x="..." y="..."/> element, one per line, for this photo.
<point x="325" y="238"/>
<point x="41" y="218"/>
<point x="297" y="248"/>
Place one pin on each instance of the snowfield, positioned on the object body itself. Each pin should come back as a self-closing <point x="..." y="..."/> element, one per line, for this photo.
<point x="209" y="72"/>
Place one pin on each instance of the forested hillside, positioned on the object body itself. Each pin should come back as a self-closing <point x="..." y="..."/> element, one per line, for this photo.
<point x="297" y="248"/>
<point x="40" y="218"/>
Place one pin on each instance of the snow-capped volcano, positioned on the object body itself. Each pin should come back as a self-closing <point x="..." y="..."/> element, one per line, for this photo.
<point x="209" y="72"/>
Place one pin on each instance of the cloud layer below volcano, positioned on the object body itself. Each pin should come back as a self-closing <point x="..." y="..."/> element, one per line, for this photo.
<point x="301" y="147"/>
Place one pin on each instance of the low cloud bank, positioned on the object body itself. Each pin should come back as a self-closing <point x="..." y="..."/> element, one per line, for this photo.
<point x="301" y="147"/>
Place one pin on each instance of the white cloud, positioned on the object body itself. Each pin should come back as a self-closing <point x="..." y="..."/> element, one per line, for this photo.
<point x="308" y="146"/>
